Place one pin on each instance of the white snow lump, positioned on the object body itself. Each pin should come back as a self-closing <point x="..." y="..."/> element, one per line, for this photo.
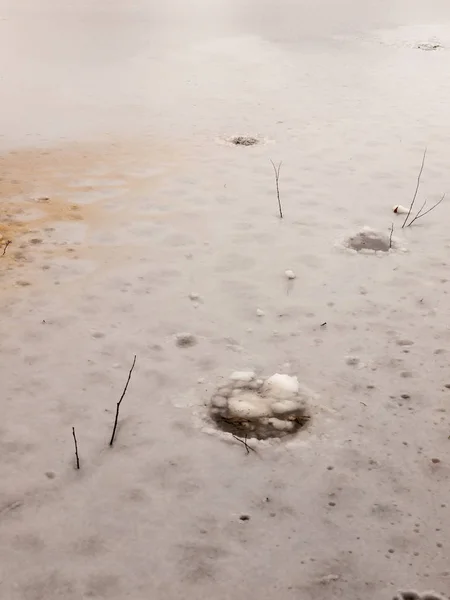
<point x="260" y="408"/>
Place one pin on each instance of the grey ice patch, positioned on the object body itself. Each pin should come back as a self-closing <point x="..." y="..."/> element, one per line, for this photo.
<point x="368" y="240"/>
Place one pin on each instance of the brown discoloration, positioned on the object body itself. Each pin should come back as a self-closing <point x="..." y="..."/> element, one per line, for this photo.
<point x="90" y="184"/>
<point x="33" y="193"/>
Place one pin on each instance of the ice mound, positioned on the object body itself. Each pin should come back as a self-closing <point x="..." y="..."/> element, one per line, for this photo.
<point x="260" y="408"/>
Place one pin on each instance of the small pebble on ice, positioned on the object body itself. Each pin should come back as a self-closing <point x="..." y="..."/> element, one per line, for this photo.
<point x="260" y="313"/>
<point x="290" y="274"/>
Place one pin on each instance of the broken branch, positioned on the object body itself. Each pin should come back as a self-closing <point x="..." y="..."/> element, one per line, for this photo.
<point x="76" y="448"/>
<point x="111" y="442"/>
<point x="277" y="178"/>
<point x="420" y="214"/>
<point x="5" y="247"/>
<point x="390" y="237"/>
<point x="244" y="442"/>
<point x="417" y="189"/>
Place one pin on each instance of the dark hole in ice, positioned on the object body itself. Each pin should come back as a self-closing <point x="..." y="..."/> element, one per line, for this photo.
<point x="243" y="140"/>
<point x="255" y="428"/>
<point x="428" y="46"/>
<point x="369" y="240"/>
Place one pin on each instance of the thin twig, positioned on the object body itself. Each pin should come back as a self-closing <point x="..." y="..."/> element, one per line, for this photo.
<point x="420" y="214"/>
<point x="244" y="441"/>
<point x="76" y="447"/>
<point x="417" y="189"/>
<point x="111" y="442"/>
<point x="5" y="247"/>
<point x="390" y="237"/>
<point x="277" y="178"/>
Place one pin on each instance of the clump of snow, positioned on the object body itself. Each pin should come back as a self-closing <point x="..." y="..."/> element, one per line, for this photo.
<point x="260" y="313"/>
<point x="260" y="408"/>
<point x="290" y="274"/>
<point x="248" y="405"/>
<point x="281" y="386"/>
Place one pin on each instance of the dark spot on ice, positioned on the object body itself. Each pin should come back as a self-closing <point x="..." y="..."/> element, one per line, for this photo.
<point x="243" y="140"/>
<point x="369" y="240"/>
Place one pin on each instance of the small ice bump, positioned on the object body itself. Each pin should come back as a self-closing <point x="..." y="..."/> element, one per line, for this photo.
<point x="242" y="376"/>
<point x="194" y="297"/>
<point x="329" y="578"/>
<point x="260" y="313"/>
<point x="290" y="274"/>
<point x="185" y="340"/>
<point x="281" y="386"/>
<point x="352" y="361"/>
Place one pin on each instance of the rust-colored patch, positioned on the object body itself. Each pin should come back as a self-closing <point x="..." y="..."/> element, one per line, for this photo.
<point x="19" y="216"/>
<point x="72" y="183"/>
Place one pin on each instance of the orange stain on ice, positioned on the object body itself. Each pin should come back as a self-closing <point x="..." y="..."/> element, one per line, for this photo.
<point x="38" y="187"/>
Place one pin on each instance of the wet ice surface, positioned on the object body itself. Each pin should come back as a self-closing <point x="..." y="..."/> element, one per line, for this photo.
<point x="149" y="228"/>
